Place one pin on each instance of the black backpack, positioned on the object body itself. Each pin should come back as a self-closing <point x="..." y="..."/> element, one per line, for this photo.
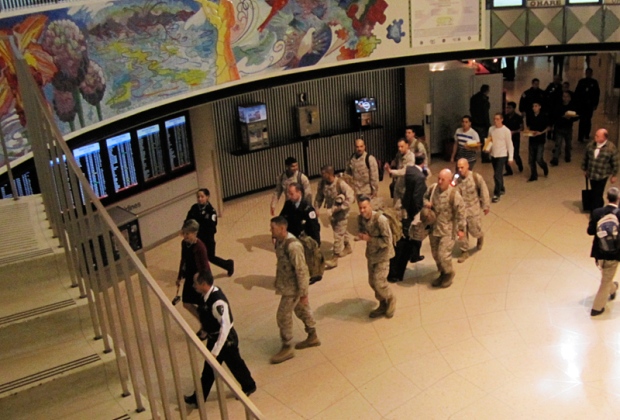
<point x="607" y="233"/>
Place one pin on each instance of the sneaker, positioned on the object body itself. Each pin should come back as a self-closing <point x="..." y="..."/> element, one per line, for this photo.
<point x="463" y="257"/>
<point x="495" y="198"/>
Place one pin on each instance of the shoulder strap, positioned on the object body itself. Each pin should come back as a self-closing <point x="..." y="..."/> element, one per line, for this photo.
<point x="477" y="182"/>
<point x="368" y="160"/>
<point x="452" y="194"/>
<point x="299" y="178"/>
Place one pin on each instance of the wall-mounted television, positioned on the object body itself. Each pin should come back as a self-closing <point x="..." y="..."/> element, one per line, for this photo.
<point x="365" y="105"/>
<point x="252" y="113"/>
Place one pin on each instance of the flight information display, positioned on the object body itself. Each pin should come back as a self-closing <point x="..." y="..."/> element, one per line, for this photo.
<point x="121" y="162"/>
<point x="89" y="159"/>
<point x="151" y="152"/>
<point x="23" y="185"/>
<point x="178" y="142"/>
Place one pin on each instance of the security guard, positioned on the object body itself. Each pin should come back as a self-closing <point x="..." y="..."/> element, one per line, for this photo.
<point x="206" y="216"/>
<point x="216" y="322"/>
<point x="300" y="215"/>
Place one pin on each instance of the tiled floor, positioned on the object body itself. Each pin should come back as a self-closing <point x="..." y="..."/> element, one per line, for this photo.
<point x="512" y="338"/>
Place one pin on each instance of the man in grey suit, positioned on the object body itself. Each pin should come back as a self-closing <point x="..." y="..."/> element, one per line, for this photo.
<point x="408" y="247"/>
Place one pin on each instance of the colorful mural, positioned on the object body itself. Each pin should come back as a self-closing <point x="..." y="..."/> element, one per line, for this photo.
<point x="99" y="61"/>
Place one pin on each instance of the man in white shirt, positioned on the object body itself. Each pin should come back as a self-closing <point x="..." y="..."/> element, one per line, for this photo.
<point x="501" y="151"/>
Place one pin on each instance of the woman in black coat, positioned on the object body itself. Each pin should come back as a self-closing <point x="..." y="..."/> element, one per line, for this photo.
<point x="204" y="213"/>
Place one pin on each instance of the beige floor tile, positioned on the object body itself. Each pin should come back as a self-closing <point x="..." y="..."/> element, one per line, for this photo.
<point x="408" y="345"/>
<point x="487" y="408"/>
<point x="484" y="303"/>
<point x="426" y="370"/>
<point x="465" y="354"/>
<point x="453" y="393"/>
<point x="443" y="310"/>
<point x="488" y="375"/>
<point x="363" y="365"/>
<point x="449" y="332"/>
<point x="311" y="391"/>
<point x="352" y="407"/>
<point x="389" y="391"/>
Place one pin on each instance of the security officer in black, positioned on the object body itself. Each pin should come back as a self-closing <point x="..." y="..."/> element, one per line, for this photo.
<point x="206" y="216"/>
<point x="300" y="215"/>
<point x="216" y="322"/>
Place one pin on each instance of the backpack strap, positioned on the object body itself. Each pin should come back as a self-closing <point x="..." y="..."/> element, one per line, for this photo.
<point x="452" y="194"/>
<point x="477" y="182"/>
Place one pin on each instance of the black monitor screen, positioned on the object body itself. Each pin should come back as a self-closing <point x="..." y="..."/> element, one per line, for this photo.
<point x="89" y="159"/>
<point x="365" y="105"/>
<point x="178" y="142"/>
<point x="151" y="152"/>
<point x="25" y="184"/>
<point x="121" y="162"/>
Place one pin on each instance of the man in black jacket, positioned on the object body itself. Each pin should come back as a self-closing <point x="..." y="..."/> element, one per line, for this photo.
<point x="300" y="214"/>
<point x="607" y="262"/>
<point x="408" y="247"/>
<point x="217" y="328"/>
<point x="479" y="107"/>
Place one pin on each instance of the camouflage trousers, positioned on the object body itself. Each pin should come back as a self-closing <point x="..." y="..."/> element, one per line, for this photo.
<point x="284" y="317"/>
<point x="339" y="225"/>
<point x="441" y="248"/>
<point x="473" y="228"/>
<point x="377" y="279"/>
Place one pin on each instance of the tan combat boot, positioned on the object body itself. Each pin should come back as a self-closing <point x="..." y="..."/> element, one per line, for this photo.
<point x="439" y="280"/>
<point x="391" y="307"/>
<point x="311" y="341"/>
<point x="346" y="250"/>
<point x="331" y="263"/>
<point x="285" y="353"/>
<point x="480" y="243"/>
<point x="463" y="257"/>
<point x="379" y="311"/>
<point x="447" y="281"/>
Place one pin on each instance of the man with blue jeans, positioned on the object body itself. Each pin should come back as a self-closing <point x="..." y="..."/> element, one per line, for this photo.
<point x="502" y="151"/>
<point x="538" y="124"/>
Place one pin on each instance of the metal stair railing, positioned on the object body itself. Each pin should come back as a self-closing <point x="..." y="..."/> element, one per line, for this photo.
<point x="129" y="311"/>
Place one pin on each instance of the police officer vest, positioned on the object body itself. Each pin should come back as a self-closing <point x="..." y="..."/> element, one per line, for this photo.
<point x="208" y="322"/>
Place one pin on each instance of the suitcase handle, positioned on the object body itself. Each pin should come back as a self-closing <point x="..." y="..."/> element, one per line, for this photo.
<point x="587" y="183"/>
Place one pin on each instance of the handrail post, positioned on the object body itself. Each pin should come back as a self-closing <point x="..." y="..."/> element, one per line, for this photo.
<point x="9" y="171"/>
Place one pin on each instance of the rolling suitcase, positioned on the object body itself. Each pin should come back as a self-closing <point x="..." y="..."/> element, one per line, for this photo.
<point x="587" y="197"/>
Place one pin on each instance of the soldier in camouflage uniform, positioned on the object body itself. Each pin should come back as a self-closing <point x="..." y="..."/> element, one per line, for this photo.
<point x="404" y="157"/>
<point x="291" y="174"/>
<point x="475" y="194"/>
<point x="338" y="197"/>
<point x="364" y="170"/>
<point x="450" y="209"/>
<point x="292" y="282"/>
<point x="416" y="146"/>
<point x="374" y="228"/>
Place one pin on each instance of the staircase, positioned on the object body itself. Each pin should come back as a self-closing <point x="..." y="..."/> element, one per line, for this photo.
<point x="50" y="364"/>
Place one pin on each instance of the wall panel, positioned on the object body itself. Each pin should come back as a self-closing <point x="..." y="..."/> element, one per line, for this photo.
<point x="244" y="173"/>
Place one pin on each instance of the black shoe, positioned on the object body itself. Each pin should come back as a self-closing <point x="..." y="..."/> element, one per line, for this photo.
<point x="502" y="192"/>
<point x="507" y="174"/>
<point x="495" y="199"/>
<point x="520" y="168"/>
<point x="567" y="160"/>
<point x="191" y="400"/>
<point x="594" y="312"/>
<point x="532" y="179"/>
<point x="554" y="162"/>
<point x="613" y="295"/>
<point x="546" y="172"/>
<point x="315" y="279"/>
<point x="231" y="267"/>
<point x="394" y="279"/>
<point x="416" y="258"/>
<point x="250" y="391"/>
